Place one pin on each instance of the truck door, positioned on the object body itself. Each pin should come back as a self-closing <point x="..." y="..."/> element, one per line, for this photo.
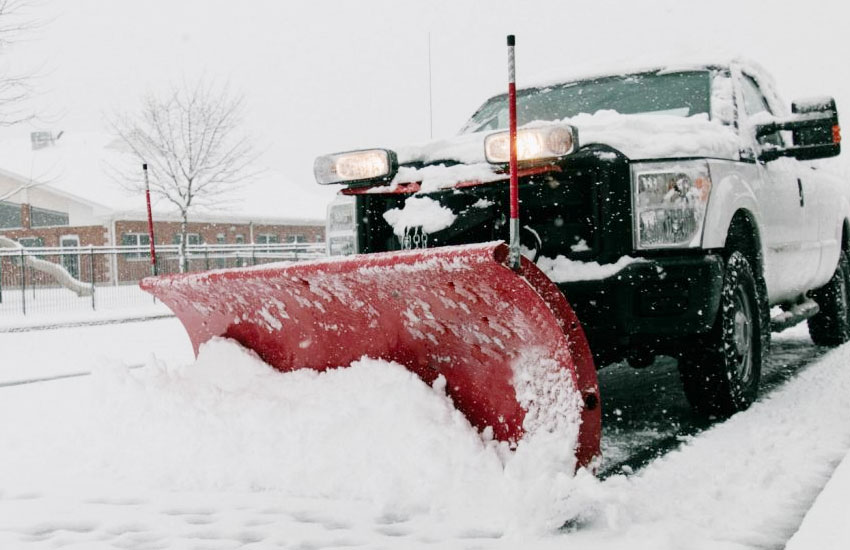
<point x="822" y="210"/>
<point x="792" y="254"/>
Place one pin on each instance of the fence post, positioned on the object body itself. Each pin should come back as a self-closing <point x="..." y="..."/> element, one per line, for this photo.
<point x="23" y="283"/>
<point x="253" y="254"/>
<point x="91" y="274"/>
<point x="207" y="257"/>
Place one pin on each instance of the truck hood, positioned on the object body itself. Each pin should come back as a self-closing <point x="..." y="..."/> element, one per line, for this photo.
<point x="639" y="137"/>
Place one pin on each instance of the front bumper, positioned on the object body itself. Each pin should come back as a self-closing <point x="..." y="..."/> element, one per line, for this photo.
<point x="648" y="302"/>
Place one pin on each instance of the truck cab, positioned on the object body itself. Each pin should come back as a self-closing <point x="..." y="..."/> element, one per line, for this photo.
<point x="689" y="203"/>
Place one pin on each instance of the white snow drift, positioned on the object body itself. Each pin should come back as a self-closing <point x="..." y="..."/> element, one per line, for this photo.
<point x="372" y="432"/>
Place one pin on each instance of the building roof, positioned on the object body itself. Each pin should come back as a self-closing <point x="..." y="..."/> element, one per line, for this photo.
<point x="82" y="166"/>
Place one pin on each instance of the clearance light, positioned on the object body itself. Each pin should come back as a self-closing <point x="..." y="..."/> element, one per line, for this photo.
<point x="836" y="134"/>
<point x="369" y="166"/>
<point x="532" y="144"/>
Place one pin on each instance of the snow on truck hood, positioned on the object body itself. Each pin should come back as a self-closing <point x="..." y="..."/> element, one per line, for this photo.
<point x="638" y="136"/>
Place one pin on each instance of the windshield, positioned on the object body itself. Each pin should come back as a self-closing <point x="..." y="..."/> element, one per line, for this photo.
<point x="681" y="94"/>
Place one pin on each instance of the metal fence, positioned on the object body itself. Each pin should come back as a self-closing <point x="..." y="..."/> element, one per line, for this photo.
<point x="107" y="277"/>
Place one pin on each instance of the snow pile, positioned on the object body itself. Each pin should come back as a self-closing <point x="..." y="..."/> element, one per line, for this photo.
<point x="465" y="148"/>
<point x="564" y="270"/>
<point x="434" y="178"/>
<point x="372" y="432"/>
<point x="649" y="136"/>
<point x="419" y="212"/>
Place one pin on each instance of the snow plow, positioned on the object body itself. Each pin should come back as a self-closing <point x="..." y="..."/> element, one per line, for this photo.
<point x="506" y="341"/>
<point x="513" y="355"/>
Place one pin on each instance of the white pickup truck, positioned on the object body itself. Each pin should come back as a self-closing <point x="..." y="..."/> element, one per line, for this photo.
<point x="688" y="206"/>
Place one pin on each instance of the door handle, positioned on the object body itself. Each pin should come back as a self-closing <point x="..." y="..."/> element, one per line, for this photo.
<point x="800" y="189"/>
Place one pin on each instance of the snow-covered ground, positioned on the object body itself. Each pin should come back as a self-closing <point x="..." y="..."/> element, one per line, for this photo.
<point x="44" y="353"/>
<point x="54" y="306"/>
<point x="222" y="452"/>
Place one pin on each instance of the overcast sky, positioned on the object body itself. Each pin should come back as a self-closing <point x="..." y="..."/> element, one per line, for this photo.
<point x="322" y="76"/>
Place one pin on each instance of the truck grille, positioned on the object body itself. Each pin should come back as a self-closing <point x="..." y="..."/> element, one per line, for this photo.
<point x="581" y="212"/>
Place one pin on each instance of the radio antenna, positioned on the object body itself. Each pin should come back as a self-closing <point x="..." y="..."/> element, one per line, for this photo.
<point x="430" y="101"/>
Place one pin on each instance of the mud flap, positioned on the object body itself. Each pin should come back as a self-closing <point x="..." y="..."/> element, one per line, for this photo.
<point x="502" y="340"/>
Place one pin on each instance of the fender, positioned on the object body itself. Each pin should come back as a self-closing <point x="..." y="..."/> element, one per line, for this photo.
<point x="730" y="192"/>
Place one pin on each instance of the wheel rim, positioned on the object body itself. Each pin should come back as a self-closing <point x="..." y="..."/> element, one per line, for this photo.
<point x="742" y="334"/>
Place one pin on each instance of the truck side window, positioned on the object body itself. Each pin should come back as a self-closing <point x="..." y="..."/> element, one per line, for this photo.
<point x="755" y="103"/>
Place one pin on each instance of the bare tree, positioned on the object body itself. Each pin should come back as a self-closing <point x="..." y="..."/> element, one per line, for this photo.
<point x="191" y="141"/>
<point x="15" y="88"/>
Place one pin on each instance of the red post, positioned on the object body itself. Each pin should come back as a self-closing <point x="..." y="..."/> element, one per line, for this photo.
<point x="150" y="219"/>
<point x="514" y="189"/>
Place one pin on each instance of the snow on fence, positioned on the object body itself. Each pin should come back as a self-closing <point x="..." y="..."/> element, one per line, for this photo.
<point x="113" y="273"/>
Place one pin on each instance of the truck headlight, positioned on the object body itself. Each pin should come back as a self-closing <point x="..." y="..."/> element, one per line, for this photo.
<point x="341" y="227"/>
<point x="532" y="144"/>
<point x="670" y="199"/>
<point x="368" y="166"/>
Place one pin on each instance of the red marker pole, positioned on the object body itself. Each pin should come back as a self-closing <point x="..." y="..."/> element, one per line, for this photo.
<point x="514" y="258"/>
<point x="150" y="219"/>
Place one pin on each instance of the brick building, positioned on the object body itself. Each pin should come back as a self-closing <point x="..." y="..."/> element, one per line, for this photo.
<point x="56" y="193"/>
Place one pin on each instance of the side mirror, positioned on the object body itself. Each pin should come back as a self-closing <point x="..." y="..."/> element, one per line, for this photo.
<point x="814" y="128"/>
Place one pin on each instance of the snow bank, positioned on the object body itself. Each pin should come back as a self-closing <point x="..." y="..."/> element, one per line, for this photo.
<point x="372" y="432"/>
<point x="745" y="483"/>
<point x="564" y="270"/>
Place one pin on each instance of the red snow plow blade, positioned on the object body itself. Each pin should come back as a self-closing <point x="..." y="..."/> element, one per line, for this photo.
<point x="459" y="312"/>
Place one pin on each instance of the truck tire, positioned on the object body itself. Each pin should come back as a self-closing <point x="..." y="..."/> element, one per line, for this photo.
<point x="721" y="373"/>
<point x="831" y="326"/>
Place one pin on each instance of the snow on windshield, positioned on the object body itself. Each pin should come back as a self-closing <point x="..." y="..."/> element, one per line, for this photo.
<point x="680" y="94"/>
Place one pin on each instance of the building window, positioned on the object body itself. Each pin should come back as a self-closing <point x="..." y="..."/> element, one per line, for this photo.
<point x="292" y="239"/>
<point x="31" y="242"/>
<point x="28" y="242"/>
<point x="240" y="239"/>
<point x="41" y="217"/>
<point x="10" y="216"/>
<point x="136" y="239"/>
<point x="267" y="238"/>
<point x="191" y="238"/>
<point x="70" y="261"/>
<point x="220" y="239"/>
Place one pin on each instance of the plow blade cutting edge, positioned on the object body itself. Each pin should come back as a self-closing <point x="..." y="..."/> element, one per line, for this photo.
<point x="508" y="344"/>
